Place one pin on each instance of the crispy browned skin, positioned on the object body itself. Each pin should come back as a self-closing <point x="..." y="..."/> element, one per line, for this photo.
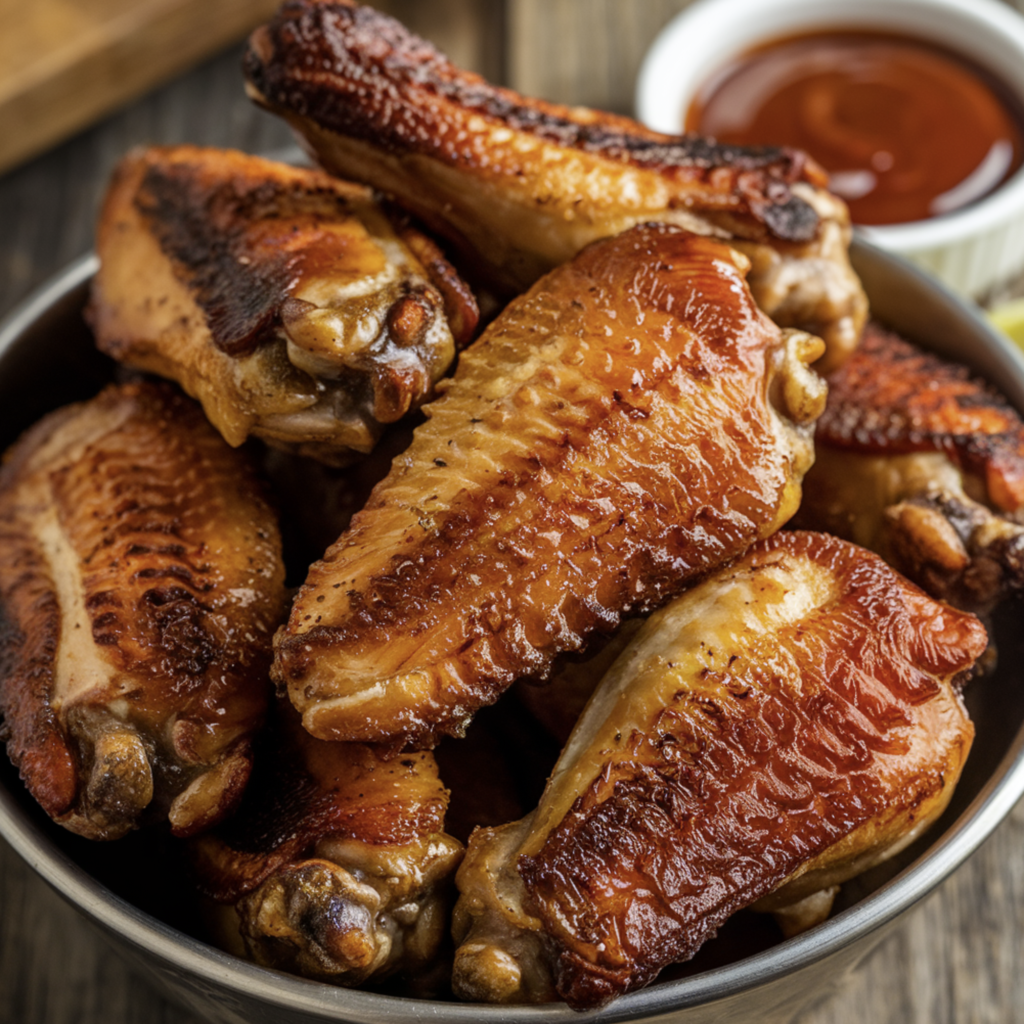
<point x="924" y="464"/>
<point x="140" y="583"/>
<point x="521" y="185"/>
<point x="337" y="860"/>
<point x="283" y="299"/>
<point x="617" y="432"/>
<point x="780" y="727"/>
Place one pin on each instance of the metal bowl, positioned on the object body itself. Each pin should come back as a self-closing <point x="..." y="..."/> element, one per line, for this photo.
<point x="47" y="359"/>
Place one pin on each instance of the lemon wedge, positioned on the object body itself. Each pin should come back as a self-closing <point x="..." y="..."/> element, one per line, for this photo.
<point x="1009" y="318"/>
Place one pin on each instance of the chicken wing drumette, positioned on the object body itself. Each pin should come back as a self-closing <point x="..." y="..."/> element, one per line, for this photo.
<point x="283" y="299"/>
<point x="140" y="583"/>
<point x="337" y="862"/>
<point x="779" y="728"/>
<point x="627" y="425"/>
<point x="521" y="185"/>
<point x="923" y="463"/>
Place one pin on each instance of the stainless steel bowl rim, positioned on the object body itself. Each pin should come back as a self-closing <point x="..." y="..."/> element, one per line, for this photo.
<point x="185" y="954"/>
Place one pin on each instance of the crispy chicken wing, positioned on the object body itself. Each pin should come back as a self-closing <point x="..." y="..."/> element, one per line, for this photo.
<point x="780" y="727"/>
<point x="626" y="426"/>
<point x="924" y="464"/>
<point x="283" y="299"/>
<point x="337" y="861"/>
<point x="521" y="185"/>
<point x="140" y="584"/>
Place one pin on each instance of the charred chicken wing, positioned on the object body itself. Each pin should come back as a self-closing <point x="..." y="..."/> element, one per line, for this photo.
<point x="140" y="584"/>
<point x="337" y="861"/>
<point x="923" y="463"/>
<point x="779" y="728"/>
<point x="283" y="299"/>
<point x="521" y="185"/>
<point x="626" y="426"/>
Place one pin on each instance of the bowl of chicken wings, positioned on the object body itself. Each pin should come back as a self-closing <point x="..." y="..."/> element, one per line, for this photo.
<point x="523" y="566"/>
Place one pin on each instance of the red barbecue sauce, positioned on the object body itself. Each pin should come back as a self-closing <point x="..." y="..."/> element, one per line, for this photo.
<point x="906" y="130"/>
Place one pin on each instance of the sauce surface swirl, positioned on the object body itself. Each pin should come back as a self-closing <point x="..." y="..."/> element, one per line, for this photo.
<point x="906" y="130"/>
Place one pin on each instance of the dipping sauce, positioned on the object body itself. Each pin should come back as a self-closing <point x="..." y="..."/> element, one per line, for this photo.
<point x="906" y="130"/>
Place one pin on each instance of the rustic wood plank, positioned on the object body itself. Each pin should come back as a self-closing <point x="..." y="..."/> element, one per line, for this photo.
<point x="585" y="53"/>
<point x="48" y="206"/>
<point x="63" y="63"/>
<point x="470" y="32"/>
<point x="54" y="967"/>
<point x="953" y="960"/>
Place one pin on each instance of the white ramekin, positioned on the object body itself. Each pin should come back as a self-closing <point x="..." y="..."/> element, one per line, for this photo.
<point x="972" y="250"/>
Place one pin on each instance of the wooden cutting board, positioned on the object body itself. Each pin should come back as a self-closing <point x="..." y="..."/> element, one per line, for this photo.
<point x="64" y="63"/>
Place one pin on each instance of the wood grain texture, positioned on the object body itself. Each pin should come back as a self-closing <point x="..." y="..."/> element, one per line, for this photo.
<point x="584" y="52"/>
<point x="587" y="52"/>
<point x="953" y="960"/>
<point x="67" y="62"/>
<point x="470" y="32"/>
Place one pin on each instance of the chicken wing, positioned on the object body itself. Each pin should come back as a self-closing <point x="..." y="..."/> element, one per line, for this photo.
<point x="337" y="861"/>
<point x="924" y="464"/>
<point x="140" y="584"/>
<point x="521" y="185"/>
<point x="283" y="299"/>
<point x="780" y="727"/>
<point x="626" y="426"/>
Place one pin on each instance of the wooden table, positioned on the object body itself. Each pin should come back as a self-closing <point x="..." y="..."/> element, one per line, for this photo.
<point x="957" y="959"/>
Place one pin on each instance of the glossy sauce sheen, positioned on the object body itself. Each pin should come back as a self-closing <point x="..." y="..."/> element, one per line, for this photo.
<point x="359" y="73"/>
<point x="906" y="130"/>
<point x="247" y="244"/>
<point x="286" y="301"/>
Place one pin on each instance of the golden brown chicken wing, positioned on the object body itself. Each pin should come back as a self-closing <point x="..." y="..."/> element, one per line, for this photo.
<point x="630" y="423"/>
<point x="521" y="185"/>
<point x="140" y="584"/>
<point x="337" y="861"/>
<point x="284" y="300"/>
<point x="923" y="463"/>
<point x="780" y="727"/>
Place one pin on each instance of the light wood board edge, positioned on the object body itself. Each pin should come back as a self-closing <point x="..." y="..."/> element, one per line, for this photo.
<point x="130" y="54"/>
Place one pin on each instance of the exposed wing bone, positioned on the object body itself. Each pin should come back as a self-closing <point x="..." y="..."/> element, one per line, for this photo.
<point x="284" y="300"/>
<point x="337" y="861"/>
<point x="924" y="464"/>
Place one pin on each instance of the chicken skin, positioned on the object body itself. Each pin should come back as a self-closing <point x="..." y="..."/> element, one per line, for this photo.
<point x="521" y="185"/>
<point x="787" y="723"/>
<point x="284" y="300"/>
<point x="337" y="861"/>
<point x="140" y="584"/>
<point x="923" y="463"/>
<point x="630" y="423"/>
